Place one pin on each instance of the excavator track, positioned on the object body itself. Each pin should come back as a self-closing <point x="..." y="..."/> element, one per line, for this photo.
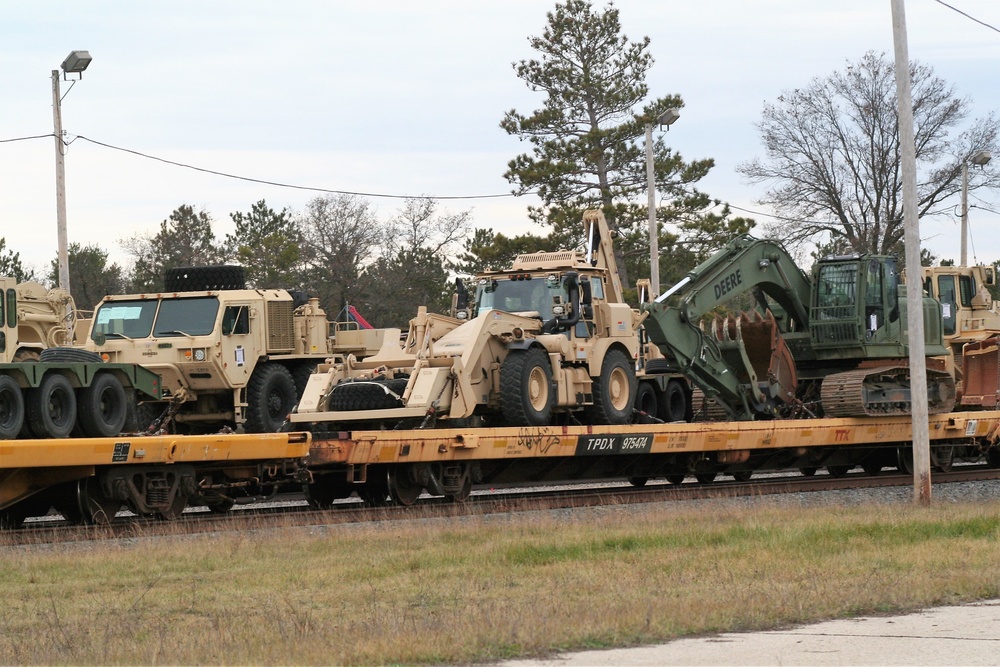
<point x="882" y="391"/>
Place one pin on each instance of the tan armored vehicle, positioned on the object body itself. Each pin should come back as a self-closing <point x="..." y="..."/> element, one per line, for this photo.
<point x="45" y="318"/>
<point x="549" y="339"/>
<point x="228" y="356"/>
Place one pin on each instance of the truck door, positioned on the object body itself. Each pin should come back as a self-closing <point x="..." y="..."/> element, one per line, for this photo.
<point x="237" y="348"/>
<point x="947" y="295"/>
<point x="8" y="319"/>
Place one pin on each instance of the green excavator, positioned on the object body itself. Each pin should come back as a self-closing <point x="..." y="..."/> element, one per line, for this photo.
<point x="831" y="344"/>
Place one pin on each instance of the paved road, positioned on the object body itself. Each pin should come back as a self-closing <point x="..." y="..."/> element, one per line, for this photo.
<point x="962" y="635"/>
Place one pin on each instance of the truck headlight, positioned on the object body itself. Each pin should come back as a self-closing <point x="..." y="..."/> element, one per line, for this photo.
<point x="199" y="354"/>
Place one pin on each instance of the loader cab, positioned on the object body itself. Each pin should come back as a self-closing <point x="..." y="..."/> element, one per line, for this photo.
<point x="855" y="297"/>
<point x="521" y="293"/>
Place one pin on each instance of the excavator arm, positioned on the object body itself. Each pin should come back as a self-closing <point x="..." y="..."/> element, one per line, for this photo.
<point x="728" y="361"/>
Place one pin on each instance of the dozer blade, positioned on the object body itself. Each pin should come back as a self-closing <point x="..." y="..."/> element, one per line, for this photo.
<point x="883" y="391"/>
<point x="758" y="355"/>
<point x="981" y="373"/>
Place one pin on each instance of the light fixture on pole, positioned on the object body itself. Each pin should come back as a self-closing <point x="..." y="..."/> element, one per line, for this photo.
<point x="668" y="118"/>
<point x="978" y="159"/>
<point x="75" y="63"/>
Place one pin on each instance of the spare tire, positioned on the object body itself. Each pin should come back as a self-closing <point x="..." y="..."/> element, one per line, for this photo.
<point x="199" y="278"/>
<point x="69" y="355"/>
<point x="367" y="395"/>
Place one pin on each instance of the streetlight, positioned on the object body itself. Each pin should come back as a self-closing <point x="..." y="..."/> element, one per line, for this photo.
<point x="979" y="159"/>
<point x="76" y="62"/>
<point x="667" y="118"/>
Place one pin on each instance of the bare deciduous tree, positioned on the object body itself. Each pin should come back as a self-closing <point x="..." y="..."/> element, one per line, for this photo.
<point x="832" y="155"/>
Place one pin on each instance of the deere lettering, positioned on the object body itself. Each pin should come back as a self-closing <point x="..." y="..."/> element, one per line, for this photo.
<point x="729" y="283"/>
<point x="595" y="445"/>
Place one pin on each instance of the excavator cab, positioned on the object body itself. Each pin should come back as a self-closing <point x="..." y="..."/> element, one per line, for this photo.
<point x="856" y="303"/>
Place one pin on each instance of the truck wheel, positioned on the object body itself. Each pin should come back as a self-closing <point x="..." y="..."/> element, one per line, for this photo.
<point x="614" y="390"/>
<point x="526" y="392"/>
<point x="52" y="407"/>
<point x="11" y="408"/>
<point x="645" y="399"/>
<point x="270" y="398"/>
<point x="102" y="407"/>
<point x="674" y="403"/>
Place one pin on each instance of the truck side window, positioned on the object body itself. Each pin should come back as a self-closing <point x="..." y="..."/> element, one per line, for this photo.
<point x="12" y="308"/>
<point x="235" y="321"/>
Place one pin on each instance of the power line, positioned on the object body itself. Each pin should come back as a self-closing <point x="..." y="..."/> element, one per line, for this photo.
<point x="289" y="185"/>
<point x="971" y="18"/>
<point x="37" y="136"/>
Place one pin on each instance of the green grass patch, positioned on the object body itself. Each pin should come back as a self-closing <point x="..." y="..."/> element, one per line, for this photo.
<point x="464" y="590"/>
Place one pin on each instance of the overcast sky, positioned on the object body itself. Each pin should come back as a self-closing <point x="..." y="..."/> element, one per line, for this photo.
<point x="399" y="98"/>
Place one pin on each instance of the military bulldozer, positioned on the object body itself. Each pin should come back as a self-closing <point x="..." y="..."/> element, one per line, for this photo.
<point x="228" y="356"/>
<point x="830" y="344"/>
<point x="548" y="339"/>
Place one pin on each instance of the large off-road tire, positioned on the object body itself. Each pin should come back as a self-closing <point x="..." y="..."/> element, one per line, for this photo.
<point x="52" y="407"/>
<point x="270" y="398"/>
<point x="367" y="395"/>
<point x="645" y="399"/>
<point x="69" y="355"/>
<point x="654" y="366"/>
<point x="526" y="392"/>
<point x="11" y="408"/>
<point x="198" y="278"/>
<point x="102" y="407"/>
<point x="674" y="407"/>
<point x="614" y="390"/>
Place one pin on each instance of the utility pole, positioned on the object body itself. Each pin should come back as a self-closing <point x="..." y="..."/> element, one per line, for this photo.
<point x="654" y="236"/>
<point x="60" y="183"/>
<point x="914" y="286"/>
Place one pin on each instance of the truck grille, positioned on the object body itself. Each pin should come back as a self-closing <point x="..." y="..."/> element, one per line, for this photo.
<point x="280" y="328"/>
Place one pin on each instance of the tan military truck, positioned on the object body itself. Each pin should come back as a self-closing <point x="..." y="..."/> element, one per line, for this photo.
<point x="549" y="339"/>
<point x="228" y="356"/>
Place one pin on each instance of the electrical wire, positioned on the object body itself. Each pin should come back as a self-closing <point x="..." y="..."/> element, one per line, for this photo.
<point x="971" y="18"/>
<point x="37" y="136"/>
<point x="289" y="185"/>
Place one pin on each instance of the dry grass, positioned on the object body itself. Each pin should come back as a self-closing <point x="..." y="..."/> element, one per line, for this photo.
<point x="484" y="589"/>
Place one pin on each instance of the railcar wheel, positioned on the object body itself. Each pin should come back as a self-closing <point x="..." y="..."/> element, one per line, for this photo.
<point x="526" y="395"/>
<point x="402" y="489"/>
<point x="221" y="505"/>
<point x="638" y="482"/>
<point x="993" y="457"/>
<point x="743" y="475"/>
<point x="102" y="407"/>
<point x="676" y="478"/>
<point x="705" y="477"/>
<point x="463" y="494"/>
<point x="11" y="408"/>
<point x="324" y="490"/>
<point x="375" y="492"/>
<point x="904" y="460"/>
<point x="52" y="407"/>
<point x="872" y="468"/>
<point x="270" y="398"/>
<point x="943" y="458"/>
<point x="614" y="390"/>
<point x="175" y="509"/>
<point x="808" y="472"/>
<point x="838" y="471"/>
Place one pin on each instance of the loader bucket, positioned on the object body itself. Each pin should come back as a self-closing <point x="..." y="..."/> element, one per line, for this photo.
<point x="981" y="373"/>
<point x="751" y="343"/>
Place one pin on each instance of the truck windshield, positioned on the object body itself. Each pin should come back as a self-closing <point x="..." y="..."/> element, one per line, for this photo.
<point x="520" y="296"/>
<point x="128" y="319"/>
<point x="190" y="317"/>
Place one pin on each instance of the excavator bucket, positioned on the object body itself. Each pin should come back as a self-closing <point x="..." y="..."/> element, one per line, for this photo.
<point x="751" y="344"/>
<point x="981" y="373"/>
